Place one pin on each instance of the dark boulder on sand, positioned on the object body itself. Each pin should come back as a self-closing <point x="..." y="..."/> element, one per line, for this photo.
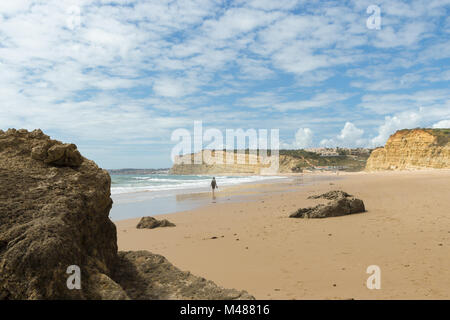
<point x="341" y="204"/>
<point x="151" y="223"/>
<point x="54" y="214"/>
<point x="331" y="195"/>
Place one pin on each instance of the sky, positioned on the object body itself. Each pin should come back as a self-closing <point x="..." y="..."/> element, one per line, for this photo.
<point x="117" y="77"/>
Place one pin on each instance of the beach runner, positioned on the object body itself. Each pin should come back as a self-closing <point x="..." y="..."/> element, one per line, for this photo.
<point x="214" y="185"/>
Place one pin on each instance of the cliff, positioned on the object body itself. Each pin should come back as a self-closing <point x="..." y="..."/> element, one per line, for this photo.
<point x="287" y="162"/>
<point x="54" y="213"/>
<point x="413" y="149"/>
<point x="241" y="163"/>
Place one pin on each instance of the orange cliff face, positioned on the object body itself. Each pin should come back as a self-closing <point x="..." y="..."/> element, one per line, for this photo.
<point x="413" y="149"/>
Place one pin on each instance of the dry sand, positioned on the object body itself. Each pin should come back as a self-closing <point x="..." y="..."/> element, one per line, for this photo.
<point x="405" y="231"/>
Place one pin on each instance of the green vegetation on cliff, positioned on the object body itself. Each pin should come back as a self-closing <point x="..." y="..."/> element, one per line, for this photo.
<point x="342" y="161"/>
<point x="295" y="160"/>
<point x="442" y="135"/>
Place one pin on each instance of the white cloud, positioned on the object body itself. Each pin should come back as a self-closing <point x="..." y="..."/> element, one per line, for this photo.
<point x="325" y="36"/>
<point x="314" y="78"/>
<point x="277" y="101"/>
<point x="236" y="21"/>
<point x="13" y="7"/>
<point x="443" y="124"/>
<point x="350" y="133"/>
<point x="270" y="4"/>
<point x="405" y="120"/>
<point x="407" y="35"/>
<point x="397" y="102"/>
<point x="439" y="76"/>
<point x="324" y="99"/>
<point x="387" y="81"/>
<point x="409" y="119"/>
<point x="260" y="100"/>
<point x="255" y="69"/>
<point x="303" y="138"/>
<point x="350" y="136"/>
<point x="174" y="88"/>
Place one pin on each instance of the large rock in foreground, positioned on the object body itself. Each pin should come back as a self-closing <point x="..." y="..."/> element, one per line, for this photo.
<point x="144" y="275"/>
<point x="413" y="149"/>
<point x="54" y="208"/>
<point x="341" y="204"/>
<point x="54" y="214"/>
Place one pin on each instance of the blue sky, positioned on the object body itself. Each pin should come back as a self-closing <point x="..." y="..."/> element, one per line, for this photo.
<point x="118" y="77"/>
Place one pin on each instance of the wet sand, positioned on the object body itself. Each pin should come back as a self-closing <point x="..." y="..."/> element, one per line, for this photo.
<point x="405" y="231"/>
<point x="138" y="204"/>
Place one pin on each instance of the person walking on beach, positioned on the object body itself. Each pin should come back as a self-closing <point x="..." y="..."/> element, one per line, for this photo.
<point x="214" y="185"/>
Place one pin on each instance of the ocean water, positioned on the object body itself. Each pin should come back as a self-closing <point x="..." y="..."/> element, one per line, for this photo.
<point x="148" y="195"/>
<point x="122" y="184"/>
<point x="154" y="194"/>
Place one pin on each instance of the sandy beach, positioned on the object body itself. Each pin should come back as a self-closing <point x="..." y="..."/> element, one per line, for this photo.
<point x="245" y="240"/>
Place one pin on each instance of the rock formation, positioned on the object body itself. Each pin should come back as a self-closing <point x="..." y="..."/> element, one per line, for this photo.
<point x="288" y="161"/>
<point x="151" y="223"/>
<point x="413" y="149"/>
<point x="54" y="214"/>
<point x="230" y="163"/>
<point x="331" y="195"/>
<point x="54" y="207"/>
<point x="150" y="276"/>
<point x="341" y="204"/>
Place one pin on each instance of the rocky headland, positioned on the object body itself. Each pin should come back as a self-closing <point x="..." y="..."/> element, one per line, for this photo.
<point x="413" y="149"/>
<point x="288" y="161"/>
<point x="222" y="162"/>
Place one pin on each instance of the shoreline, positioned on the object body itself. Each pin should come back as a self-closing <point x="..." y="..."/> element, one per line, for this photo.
<point x="259" y="249"/>
<point x="156" y="203"/>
